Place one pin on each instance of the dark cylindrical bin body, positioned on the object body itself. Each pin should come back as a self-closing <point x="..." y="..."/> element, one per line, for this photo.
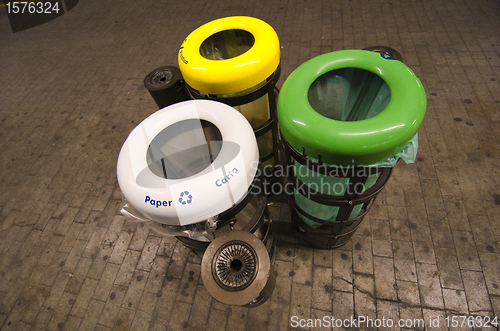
<point x="346" y="210"/>
<point x="166" y="86"/>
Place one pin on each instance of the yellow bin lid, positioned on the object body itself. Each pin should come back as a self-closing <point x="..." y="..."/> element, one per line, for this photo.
<point x="229" y="55"/>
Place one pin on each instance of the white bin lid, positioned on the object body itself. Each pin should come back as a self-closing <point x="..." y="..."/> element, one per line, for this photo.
<point x="188" y="162"/>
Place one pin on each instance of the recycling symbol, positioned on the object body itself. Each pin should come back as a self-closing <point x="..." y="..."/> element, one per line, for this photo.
<point x="185" y="198"/>
<point x="387" y="57"/>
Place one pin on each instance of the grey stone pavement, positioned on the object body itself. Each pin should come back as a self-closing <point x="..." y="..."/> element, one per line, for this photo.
<point x="71" y="90"/>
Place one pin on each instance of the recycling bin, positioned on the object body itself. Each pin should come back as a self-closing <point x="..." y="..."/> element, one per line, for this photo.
<point x="236" y="60"/>
<point x="188" y="171"/>
<point x="166" y="86"/>
<point x="346" y="118"/>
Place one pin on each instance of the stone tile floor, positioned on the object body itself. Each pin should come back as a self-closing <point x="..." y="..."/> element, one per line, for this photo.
<point x="72" y="90"/>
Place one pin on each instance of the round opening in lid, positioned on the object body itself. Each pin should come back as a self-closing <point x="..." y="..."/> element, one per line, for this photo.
<point x="227" y="44"/>
<point x="349" y="94"/>
<point x="184" y="149"/>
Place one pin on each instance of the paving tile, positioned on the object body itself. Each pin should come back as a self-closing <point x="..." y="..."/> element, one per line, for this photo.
<point x="72" y="323"/>
<point x="52" y="270"/>
<point x="379" y="208"/>
<point x="26" y="307"/>
<point x="404" y="262"/>
<point x="201" y="307"/>
<point x="320" y="320"/>
<point x="74" y="255"/>
<point x="387" y="314"/>
<point x="277" y="310"/>
<point x="167" y="246"/>
<point x="120" y="247"/>
<point x="113" y="231"/>
<point x="302" y="266"/>
<point x="429" y="286"/>
<point x="415" y="207"/>
<point x="322" y="258"/>
<point x="476" y="292"/>
<point x="385" y="282"/>
<point x="156" y="275"/>
<point x="495" y="302"/>
<point x="140" y="237"/>
<point x="440" y="229"/>
<point x="466" y="251"/>
<point x="135" y="289"/>
<point x="408" y="293"/>
<point x="70" y="238"/>
<point x="300" y="302"/>
<point x="397" y="212"/>
<point x="127" y="268"/>
<point x="188" y="286"/>
<point x="84" y="297"/>
<point x="432" y="195"/>
<point x="216" y="320"/>
<point x="165" y="304"/>
<point x="42" y="319"/>
<point x="343" y="305"/>
<point x="425" y="168"/>
<point x="66" y="221"/>
<point x="141" y="321"/>
<point x="380" y="229"/>
<point x="89" y="226"/>
<point x="124" y="319"/>
<point x="412" y="318"/>
<point x="91" y="317"/>
<point x="177" y="261"/>
<point x="449" y="269"/>
<point x="61" y="311"/>
<point x="148" y="302"/>
<point x="102" y="200"/>
<point x="100" y="261"/>
<point x="434" y="319"/>
<point x="94" y="243"/>
<point x="321" y="288"/>
<point x="257" y="318"/>
<point x="57" y="289"/>
<point x="395" y="193"/>
<point x="78" y="276"/>
<point x="457" y="215"/>
<point x="109" y="314"/>
<point x="362" y="254"/>
<point x="423" y="247"/>
<point x="483" y="234"/>
<point x="85" y="209"/>
<point x="490" y="263"/>
<point x="48" y="254"/>
<point x="148" y="253"/>
<point x="400" y="229"/>
<point x="455" y="301"/>
<point x="342" y="271"/>
<point x="364" y="296"/>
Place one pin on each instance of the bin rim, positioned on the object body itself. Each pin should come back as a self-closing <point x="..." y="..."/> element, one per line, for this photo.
<point x="351" y="143"/>
<point x="232" y="75"/>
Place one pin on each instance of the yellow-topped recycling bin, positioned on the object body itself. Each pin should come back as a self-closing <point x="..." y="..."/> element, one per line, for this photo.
<point x="236" y="60"/>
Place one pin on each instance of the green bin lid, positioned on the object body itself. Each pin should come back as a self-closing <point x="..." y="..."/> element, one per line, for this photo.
<point x="356" y="142"/>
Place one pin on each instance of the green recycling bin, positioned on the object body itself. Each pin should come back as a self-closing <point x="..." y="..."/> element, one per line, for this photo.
<point x="346" y="118"/>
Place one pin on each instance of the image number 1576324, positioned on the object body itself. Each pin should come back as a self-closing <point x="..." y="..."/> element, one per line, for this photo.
<point x="32" y="7"/>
